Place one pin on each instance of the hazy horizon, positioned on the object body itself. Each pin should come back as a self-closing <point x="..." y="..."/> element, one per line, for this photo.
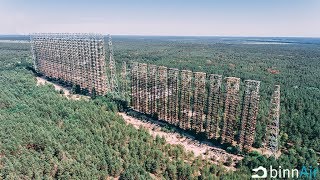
<point x="142" y="35"/>
<point x="230" y="18"/>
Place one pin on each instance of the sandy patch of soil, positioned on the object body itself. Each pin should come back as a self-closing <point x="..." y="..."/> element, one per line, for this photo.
<point x="216" y="155"/>
<point x="266" y="152"/>
<point x="66" y="91"/>
<point x="273" y="71"/>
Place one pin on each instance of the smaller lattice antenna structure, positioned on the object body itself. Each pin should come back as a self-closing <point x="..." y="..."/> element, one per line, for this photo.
<point x="272" y="131"/>
<point x="124" y="84"/>
<point x="112" y="68"/>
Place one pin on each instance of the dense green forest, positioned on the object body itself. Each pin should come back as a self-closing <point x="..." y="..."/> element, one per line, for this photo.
<point x="43" y="134"/>
<point x="294" y="66"/>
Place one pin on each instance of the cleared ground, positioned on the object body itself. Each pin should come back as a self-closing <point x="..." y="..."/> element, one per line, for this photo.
<point x="216" y="155"/>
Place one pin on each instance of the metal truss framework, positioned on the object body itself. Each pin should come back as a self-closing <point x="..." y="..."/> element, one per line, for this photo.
<point x="186" y="92"/>
<point x="173" y="95"/>
<point x="272" y="131"/>
<point x="230" y="113"/>
<point x="112" y="67"/>
<point x="214" y="105"/>
<point x="161" y="91"/>
<point x="198" y="101"/>
<point x="152" y="89"/>
<point x="142" y="87"/>
<point x="249" y="114"/>
<point x="134" y="86"/>
<point x="124" y="81"/>
<point x="77" y="59"/>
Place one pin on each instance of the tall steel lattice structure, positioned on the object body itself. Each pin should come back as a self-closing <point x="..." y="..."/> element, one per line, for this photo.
<point x="78" y="59"/>
<point x="143" y="82"/>
<point x="152" y="89"/>
<point x="162" y="92"/>
<point x="199" y="98"/>
<point x="173" y="95"/>
<point x="159" y="90"/>
<point x="134" y="86"/>
<point x="230" y="112"/>
<point x="186" y="80"/>
<point x="272" y="131"/>
<point x="112" y="68"/>
<point x="249" y="114"/>
<point x="214" y="105"/>
<point x="124" y="81"/>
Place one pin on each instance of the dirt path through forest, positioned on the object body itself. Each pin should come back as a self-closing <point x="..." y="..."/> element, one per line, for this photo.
<point x="216" y="155"/>
<point x="66" y="91"/>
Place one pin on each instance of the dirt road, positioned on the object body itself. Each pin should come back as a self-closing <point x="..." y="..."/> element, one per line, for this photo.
<point x="66" y="92"/>
<point x="215" y="154"/>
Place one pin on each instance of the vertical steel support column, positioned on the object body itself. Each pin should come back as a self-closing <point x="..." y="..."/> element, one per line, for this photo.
<point x="231" y="106"/>
<point x="72" y="61"/>
<point x="173" y="94"/>
<point x="143" y="88"/>
<point x="186" y="79"/>
<point x="45" y="54"/>
<point x="152" y="79"/>
<point x="272" y="131"/>
<point x="124" y="86"/>
<point x="249" y="114"/>
<point x="199" y="97"/>
<point x="112" y="68"/>
<point x="214" y="105"/>
<point x="64" y="59"/>
<point x="49" y="56"/>
<point x="90" y="63"/>
<point x="134" y="86"/>
<point x="104" y="80"/>
<point x="162" y="88"/>
<point x="69" y="62"/>
<point x="96" y="65"/>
